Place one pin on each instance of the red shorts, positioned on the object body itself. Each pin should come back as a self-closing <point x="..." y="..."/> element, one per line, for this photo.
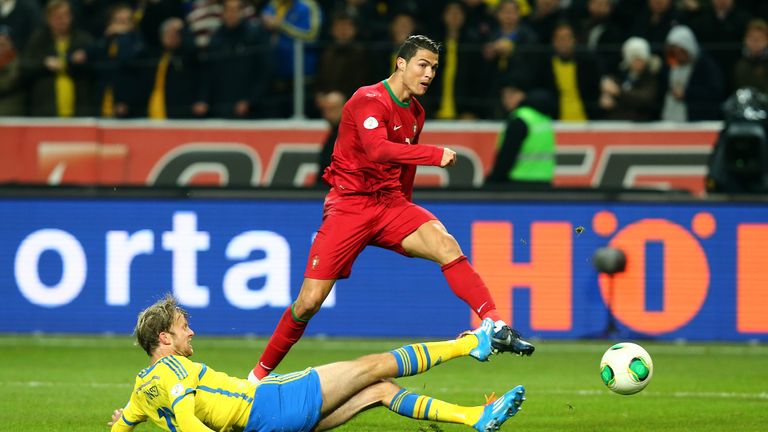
<point x="352" y="222"/>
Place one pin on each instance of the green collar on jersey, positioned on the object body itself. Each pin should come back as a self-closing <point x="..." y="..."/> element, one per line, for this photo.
<point x="394" y="98"/>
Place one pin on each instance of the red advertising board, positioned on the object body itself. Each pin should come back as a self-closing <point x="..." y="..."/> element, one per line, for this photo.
<point x="284" y="153"/>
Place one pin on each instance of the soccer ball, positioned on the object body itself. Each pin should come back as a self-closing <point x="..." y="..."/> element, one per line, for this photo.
<point x="626" y="368"/>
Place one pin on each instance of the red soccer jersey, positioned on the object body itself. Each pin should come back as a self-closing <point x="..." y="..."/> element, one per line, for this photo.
<point x="375" y="149"/>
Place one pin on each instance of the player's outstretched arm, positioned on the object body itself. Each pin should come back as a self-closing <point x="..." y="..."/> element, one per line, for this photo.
<point x="379" y="149"/>
<point x="116" y="425"/>
<point x="372" y="121"/>
<point x="449" y="158"/>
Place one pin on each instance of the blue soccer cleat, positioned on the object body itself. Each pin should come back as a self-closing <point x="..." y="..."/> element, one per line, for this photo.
<point x="499" y="411"/>
<point x="507" y="339"/>
<point x="484" y="335"/>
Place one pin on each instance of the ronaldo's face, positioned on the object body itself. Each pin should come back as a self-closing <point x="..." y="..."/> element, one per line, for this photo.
<point x="181" y="335"/>
<point x="420" y="70"/>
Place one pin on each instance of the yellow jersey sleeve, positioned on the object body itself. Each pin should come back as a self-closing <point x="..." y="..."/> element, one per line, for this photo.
<point x="159" y="390"/>
<point x="185" y="416"/>
<point x="123" y="424"/>
<point x="178" y="394"/>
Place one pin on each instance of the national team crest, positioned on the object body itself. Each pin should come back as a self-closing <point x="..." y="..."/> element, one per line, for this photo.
<point x="315" y="262"/>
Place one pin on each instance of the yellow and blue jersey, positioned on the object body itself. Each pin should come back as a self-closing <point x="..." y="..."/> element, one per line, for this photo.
<point x="178" y="394"/>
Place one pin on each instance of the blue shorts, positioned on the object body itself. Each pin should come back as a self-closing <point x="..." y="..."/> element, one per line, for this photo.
<point x="289" y="403"/>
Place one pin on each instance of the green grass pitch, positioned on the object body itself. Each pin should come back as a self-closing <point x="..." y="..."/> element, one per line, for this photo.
<point x="73" y="383"/>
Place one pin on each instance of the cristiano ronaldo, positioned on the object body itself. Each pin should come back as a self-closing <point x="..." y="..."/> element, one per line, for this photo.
<point x="371" y="179"/>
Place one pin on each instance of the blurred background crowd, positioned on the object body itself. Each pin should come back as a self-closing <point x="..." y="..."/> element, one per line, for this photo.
<point x="638" y="60"/>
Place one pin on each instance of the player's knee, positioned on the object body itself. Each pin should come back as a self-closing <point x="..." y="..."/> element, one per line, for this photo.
<point x="306" y="307"/>
<point x="448" y="248"/>
<point x="376" y="364"/>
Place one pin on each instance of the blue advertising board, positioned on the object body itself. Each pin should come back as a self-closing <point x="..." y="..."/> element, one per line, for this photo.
<point x="694" y="271"/>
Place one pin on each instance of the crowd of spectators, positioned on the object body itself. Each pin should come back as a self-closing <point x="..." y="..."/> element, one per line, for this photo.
<point x="638" y="60"/>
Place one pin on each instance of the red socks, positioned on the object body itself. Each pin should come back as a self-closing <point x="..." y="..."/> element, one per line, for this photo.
<point x="288" y="331"/>
<point x="467" y="285"/>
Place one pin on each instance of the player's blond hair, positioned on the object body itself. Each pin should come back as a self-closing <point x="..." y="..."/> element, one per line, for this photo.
<point x="156" y="319"/>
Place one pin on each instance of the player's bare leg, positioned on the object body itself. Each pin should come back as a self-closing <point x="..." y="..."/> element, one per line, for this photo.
<point x="291" y="326"/>
<point x="369" y="397"/>
<point x="433" y="242"/>
<point x="387" y="393"/>
<point x="342" y="380"/>
<point x="352" y="386"/>
<point x="312" y="295"/>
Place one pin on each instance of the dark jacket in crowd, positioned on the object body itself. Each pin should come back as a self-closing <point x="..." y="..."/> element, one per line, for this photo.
<point x="607" y="46"/>
<point x="751" y="72"/>
<point x="23" y="20"/>
<point x="181" y="80"/>
<point x="344" y="68"/>
<point x="544" y="26"/>
<point x="639" y="98"/>
<point x="721" y="38"/>
<point x="587" y="77"/>
<point x="655" y="32"/>
<point x="524" y="56"/>
<point x="236" y="67"/>
<point x="115" y="72"/>
<point x="470" y="85"/>
<point x="11" y="91"/>
<point x="41" y="81"/>
<point x="705" y="91"/>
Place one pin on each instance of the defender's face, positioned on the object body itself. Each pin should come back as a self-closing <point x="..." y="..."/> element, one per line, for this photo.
<point x="419" y="71"/>
<point x="181" y="336"/>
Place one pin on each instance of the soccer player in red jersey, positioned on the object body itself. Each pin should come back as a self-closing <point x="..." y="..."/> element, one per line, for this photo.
<point x="371" y="178"/>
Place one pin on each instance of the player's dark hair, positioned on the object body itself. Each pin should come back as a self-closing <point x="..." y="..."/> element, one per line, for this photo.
<point x="156" y="319"/>
<point x="414" y="43"/>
